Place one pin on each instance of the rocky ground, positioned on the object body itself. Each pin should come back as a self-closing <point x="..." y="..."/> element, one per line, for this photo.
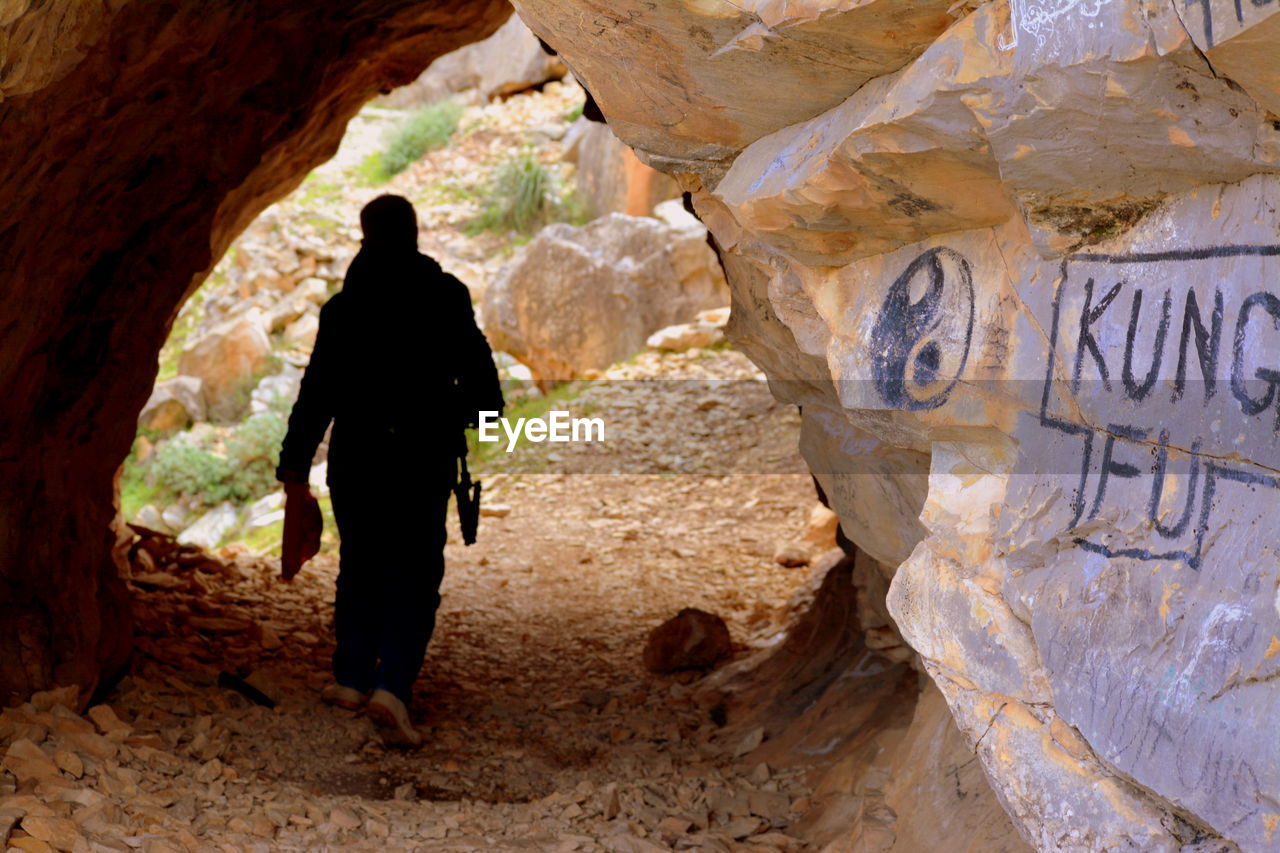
<point x="544" y="730"/>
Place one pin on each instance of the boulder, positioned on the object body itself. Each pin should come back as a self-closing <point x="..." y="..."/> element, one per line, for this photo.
<point x="316" y="289"/>
<point x="174" y="404"/>
<point x="692" y="639"/>
<point x="717" y="318"/>
<point x="821" y="530"/>
<point x="683" y="336"/>
<point x="175" y="516"/>
<point x="225" y="358"/>
<point x="510" y="60"/>
<point x="306" y="298"/>
<point x="609" y="176"/>
<point x="209" y="529"/>
<point x="286" y="311"/>
<point x="265" y="520"/>
<point x="582" y="298"/>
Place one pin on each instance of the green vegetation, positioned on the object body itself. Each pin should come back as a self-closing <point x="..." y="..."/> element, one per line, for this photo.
<point x="243" y="473"/>
<point x="519" y="197"/>
<point x="523" y="196"/>
<point x="135" y="491"/>
<point x="575" y="113"/>
<point x="369" y="173"/>
<point x="424" y="130"/>
<point x="210" y="464"/>
<point x="265" y="540"/>
<point x="316" y="187"/>
<point x="723" y="345"/>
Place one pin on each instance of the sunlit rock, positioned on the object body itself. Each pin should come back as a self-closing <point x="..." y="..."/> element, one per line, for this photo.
<point x="697" y="82"/>
<point x="609" y="176"/>
<point x="510" y="60"/>
<point x="209" y="529"/>
<point x="581" y="298"/>
<point x="174" y="404"/>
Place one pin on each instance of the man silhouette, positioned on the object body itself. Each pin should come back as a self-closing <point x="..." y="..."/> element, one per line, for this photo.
<point x="401" y="369"/>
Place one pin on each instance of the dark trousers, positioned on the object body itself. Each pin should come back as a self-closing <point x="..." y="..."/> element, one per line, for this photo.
<point x="391" y="564"/>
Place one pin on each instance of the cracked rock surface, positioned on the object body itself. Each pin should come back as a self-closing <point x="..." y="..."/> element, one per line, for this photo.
<point x="1022" y="285"/>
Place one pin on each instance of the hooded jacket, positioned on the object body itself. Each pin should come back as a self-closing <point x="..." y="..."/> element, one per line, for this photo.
<point x="399" y="366"/>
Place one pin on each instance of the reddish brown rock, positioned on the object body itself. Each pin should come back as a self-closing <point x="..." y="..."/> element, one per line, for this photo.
<point x="692" y="639"/>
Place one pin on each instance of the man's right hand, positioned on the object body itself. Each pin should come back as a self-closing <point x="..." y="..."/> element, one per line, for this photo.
<point x="302" y="528"/>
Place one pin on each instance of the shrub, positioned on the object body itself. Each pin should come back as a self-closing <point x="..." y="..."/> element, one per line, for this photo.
<point x="245" y="472"/>
<point x="254" y="452"/>
<point x="424" y="130"/>
<point x="184" y="468"/>
<point x="520" y="197"/>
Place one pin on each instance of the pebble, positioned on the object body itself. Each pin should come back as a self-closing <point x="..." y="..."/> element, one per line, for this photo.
<point x="27" y="761"/>
<point x="791" y="555"/>
<point x="69" y="763"/>
<point x="750" y="742"/>
<point x="59" y="833"/>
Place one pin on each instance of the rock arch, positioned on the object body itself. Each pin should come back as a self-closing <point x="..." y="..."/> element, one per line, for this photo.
<point x="1114" y="669"/>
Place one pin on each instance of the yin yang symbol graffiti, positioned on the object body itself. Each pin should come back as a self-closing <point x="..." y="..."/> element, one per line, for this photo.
<point x="920" y="342"/>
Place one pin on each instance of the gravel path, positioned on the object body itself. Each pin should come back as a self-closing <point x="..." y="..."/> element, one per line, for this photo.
<point x="544" y="731"/>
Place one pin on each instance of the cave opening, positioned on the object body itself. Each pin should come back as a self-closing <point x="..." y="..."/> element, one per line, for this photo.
<point x="535" y="665"/>
<point x="786" y="748"/>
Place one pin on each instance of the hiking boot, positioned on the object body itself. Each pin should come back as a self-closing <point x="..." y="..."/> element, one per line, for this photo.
<point x="392" y="718"/>
<point x="343" y="697"/>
